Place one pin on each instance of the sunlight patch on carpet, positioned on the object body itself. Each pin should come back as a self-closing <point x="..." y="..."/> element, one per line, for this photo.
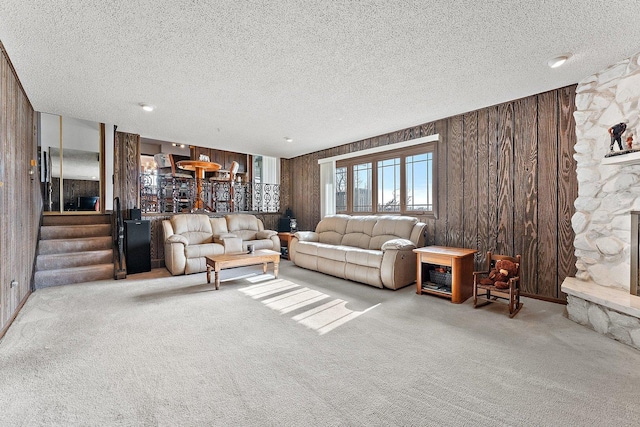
<point x="323" y="318"/>
<point x="256" y="278"/>
<point x="269" y="288"/>
<point x="249" y="277"/>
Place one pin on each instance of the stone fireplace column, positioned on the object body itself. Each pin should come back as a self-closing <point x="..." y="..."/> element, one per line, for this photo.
<point x="608" y="191"/>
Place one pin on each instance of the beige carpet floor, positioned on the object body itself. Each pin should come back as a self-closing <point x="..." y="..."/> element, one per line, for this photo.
<point x="304" y="350"/>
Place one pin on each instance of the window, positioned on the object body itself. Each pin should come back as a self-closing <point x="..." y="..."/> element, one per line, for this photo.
<point x="389" y="185"/>
<point x="362" y="188"/>
<point x="419" y="173"/>
<point x="394" y="181"/>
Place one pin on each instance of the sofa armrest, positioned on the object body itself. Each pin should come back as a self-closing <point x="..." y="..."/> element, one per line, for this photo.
<point x="265" y="234"/>
<point x="178" y="238"/>
<point x="300" y="236"/>
<point x="175" y="258"/>
<point x="398" y="266"/>
<point x="419" y="234"/>
<point x="167" y="228"/>
<point x="232" y="244"/>
<point x="398" y="244"/>
<point x="306" y="236"/>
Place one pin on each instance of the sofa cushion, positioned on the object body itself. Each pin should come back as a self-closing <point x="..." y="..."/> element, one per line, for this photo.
<point x="190" y="222"/>
<point x="219" y="226"/>
<point x="364" y="257"/>
<point x="198" y="237"/>
<point x="243" y="222"/>
<point x="332" y="267"/>
<point x="364" y="274"/>
<point x="331" y="229"/>
<point x="336" y="253"/>
<point x="311" y="248"/>
<point x="390" y="227"/>
<point x="265" y="234"/>
<point x="359" y="231"/>
<point x="202" y="250"/>
<point x="244" y="226"/>
<point x="194" y="227"/>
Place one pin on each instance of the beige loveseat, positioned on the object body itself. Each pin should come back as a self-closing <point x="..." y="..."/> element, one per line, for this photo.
<point x="189" y="238"/>
<point x="376" y="250"/>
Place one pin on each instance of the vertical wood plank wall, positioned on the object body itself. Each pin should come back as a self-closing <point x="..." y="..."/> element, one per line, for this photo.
<point x="20" y="199"/>
<point x="126" y="171"/>
<point x="506" y="183"/>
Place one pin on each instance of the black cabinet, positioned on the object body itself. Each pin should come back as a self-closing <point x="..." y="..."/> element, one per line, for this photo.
<point x="137" y="246"/>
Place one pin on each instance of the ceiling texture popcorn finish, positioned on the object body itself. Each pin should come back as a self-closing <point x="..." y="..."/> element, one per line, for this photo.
<point x="246" y="74"/>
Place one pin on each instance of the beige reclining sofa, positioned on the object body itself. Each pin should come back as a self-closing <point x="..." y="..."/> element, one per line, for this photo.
<point x="376" y="250"/>
<point x="189" y="238"/>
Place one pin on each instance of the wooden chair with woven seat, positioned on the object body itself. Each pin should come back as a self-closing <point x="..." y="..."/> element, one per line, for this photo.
<point x="484" y="294"/>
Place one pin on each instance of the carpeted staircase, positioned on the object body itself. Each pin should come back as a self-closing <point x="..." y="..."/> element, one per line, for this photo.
<point x="74" y="249"/>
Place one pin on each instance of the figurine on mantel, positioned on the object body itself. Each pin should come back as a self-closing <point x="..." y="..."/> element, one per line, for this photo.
<point x="617" y="133"/>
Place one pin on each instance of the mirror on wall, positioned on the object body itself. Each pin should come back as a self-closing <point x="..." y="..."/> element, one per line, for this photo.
<point x="70" y="151"/>
<point x="80" y="180"/>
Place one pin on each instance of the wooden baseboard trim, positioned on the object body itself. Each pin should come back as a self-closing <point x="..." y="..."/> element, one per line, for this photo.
<point x="548" y="299"/>
<point x="22" y="303"/>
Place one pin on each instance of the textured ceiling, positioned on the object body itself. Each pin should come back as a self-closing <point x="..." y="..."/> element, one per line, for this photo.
<point x="243" y="75"/>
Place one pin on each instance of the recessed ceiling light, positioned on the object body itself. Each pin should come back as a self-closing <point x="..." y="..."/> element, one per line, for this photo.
<point x="147" y="107"/>
<point x="286" y="138"/>
<point x="558" y="60"/>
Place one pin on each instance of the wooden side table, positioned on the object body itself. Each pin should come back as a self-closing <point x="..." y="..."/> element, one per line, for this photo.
<point x="285" y="240"/>
<point x="461" y="262"/>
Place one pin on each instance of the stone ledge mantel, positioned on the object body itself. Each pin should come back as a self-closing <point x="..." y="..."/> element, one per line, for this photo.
<point x="632" y="158"/>
<point x="613" y="298"/>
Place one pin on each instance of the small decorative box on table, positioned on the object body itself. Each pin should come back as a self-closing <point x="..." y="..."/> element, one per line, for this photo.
<point x="461" y="265"/>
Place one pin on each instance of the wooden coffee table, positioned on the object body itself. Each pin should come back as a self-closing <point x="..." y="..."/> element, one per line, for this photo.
<point x="242" y="259"/>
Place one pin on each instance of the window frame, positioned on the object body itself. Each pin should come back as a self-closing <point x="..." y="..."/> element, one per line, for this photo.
<point x="402" y="154"/>
<point x="346" y="189"/>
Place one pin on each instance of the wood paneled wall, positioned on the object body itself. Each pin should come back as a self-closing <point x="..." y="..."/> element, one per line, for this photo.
<point x="286" y="188"/>
<point x="20" y="199"/>
<point x="126" y="171"/>
<point x="223" y="158"/>
<point x="506" y="183"/>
